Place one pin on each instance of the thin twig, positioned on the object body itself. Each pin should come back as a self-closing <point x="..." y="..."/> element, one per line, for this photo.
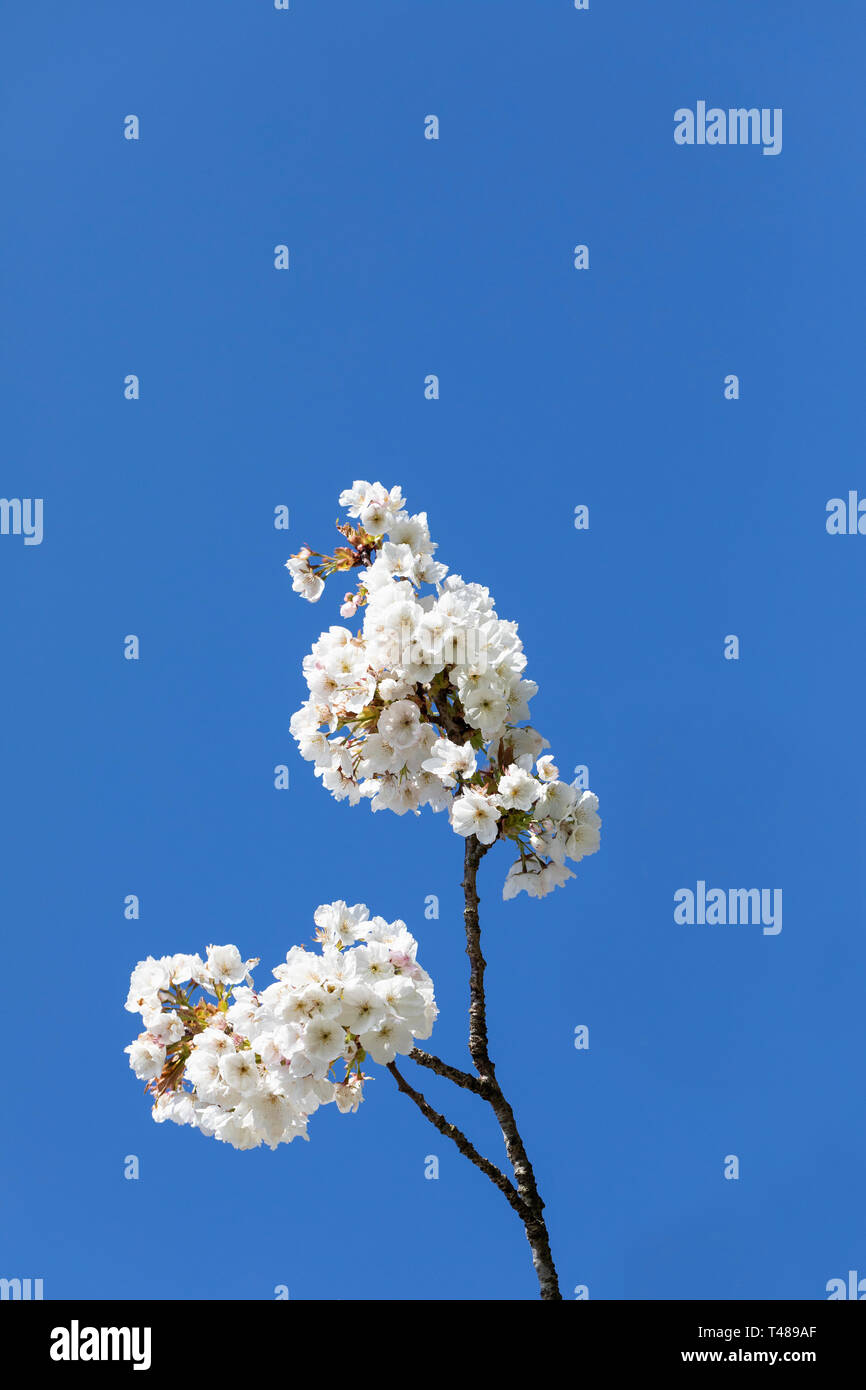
<point x="460" y="1078"/>
<point x="466" y="1148"/>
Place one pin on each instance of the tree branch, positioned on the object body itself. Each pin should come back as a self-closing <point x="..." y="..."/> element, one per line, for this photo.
<point x="473" y="855"/>
<point x="534" y="1223"/>
<point x="524" y="1197"/>
<point x="466" y="1148"/>
<point x="460" y="1078"/>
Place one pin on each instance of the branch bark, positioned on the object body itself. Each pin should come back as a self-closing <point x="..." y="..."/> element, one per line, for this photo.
<point x="460" y="1078"/>
<point x="524" y="1197"/>
<point x="527" y="1188"/>
<point x="459" y="1138"/>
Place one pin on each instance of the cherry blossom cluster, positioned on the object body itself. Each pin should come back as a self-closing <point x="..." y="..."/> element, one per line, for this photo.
<point x="250" y="1067"/>
<point x="426" y="705"/>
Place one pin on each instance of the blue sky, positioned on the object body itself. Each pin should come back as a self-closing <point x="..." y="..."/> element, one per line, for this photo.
<point x="558" y="388"/>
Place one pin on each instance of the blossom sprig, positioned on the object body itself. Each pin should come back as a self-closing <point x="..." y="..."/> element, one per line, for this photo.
<point x="427" y="704"/>
<point x="251" y="1067"/>
<point x="310" y="568"/>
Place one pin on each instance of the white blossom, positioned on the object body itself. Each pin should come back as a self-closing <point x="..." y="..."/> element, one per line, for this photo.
<point x="253" y="1067"/>
<point x="146" y="1057"/>
<point x="427" y="703"/>
<point x="473" y="813"/>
